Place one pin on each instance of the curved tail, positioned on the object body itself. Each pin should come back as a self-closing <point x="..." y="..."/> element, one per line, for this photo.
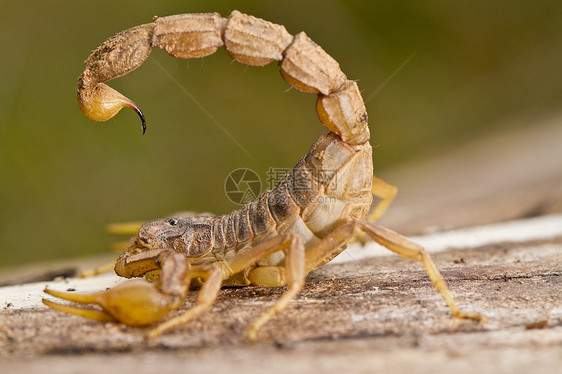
<point x="248" y="40"/>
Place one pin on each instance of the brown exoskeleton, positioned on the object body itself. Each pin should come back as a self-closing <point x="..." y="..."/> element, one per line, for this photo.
<point x="274" y="241"/>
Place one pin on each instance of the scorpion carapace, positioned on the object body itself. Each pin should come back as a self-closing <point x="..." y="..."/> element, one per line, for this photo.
<point x="304" y="222"/>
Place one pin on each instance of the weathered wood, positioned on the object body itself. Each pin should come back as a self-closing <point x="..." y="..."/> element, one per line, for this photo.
<point x="371" y="312"/>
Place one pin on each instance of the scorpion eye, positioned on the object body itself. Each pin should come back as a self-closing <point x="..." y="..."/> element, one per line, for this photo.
<point x="173" y="222"/>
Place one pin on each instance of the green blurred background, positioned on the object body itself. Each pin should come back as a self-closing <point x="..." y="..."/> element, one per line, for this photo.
<point x="466" y="68"/>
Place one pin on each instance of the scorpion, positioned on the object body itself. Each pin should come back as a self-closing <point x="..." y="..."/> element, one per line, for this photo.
<point x="288" y="231"/>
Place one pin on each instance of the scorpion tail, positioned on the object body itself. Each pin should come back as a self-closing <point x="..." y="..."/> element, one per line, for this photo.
<point x="248" y="40"/>
<point x="116" y="57"/>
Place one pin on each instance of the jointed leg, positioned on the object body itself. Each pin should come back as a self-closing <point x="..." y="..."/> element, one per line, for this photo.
<point x="140" y="303"/>
<point x="129" y="228"/>
<point x="391" y="240"/>
<point x="96" y="271"/>
<point x="274" y="276"/>
<point x="295" y="274"/>
<point x="408" y="249"/>
<point x="124" y="228"/>
<point x="386" y="193"/>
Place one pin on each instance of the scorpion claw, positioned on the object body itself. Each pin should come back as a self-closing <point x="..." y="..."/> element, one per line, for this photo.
<point x="134" y="303"/>
<point x="80" y="311"/>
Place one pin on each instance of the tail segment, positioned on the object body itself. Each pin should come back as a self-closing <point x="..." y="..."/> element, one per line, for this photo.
<point x="248" y="40"/>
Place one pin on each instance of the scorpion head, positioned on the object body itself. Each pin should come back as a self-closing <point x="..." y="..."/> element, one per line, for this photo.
<point x="191" y="236"/>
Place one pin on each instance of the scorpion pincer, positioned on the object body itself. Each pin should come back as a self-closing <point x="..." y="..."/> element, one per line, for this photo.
<point x="274" y="241"/>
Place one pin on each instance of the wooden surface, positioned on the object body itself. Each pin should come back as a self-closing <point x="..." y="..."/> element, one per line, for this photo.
<point x="371" y="315"/>
<point x="380" y="313"/>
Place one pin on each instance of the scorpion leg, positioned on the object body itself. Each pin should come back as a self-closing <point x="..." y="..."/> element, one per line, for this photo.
<point x="97" y="271"/>
<point x="386" y="193"/>
<point x="274" y="276"/>
<point x="391" y="240"/>
<point x="213" y="279"/>
<point x="124" y="228"/>
<point x="130" y="228"/>
<point x="134" y="302"/>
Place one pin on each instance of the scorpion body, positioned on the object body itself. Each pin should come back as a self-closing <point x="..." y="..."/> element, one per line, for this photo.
<point x="310" y="201"/>
<point x="301" y="224"/>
